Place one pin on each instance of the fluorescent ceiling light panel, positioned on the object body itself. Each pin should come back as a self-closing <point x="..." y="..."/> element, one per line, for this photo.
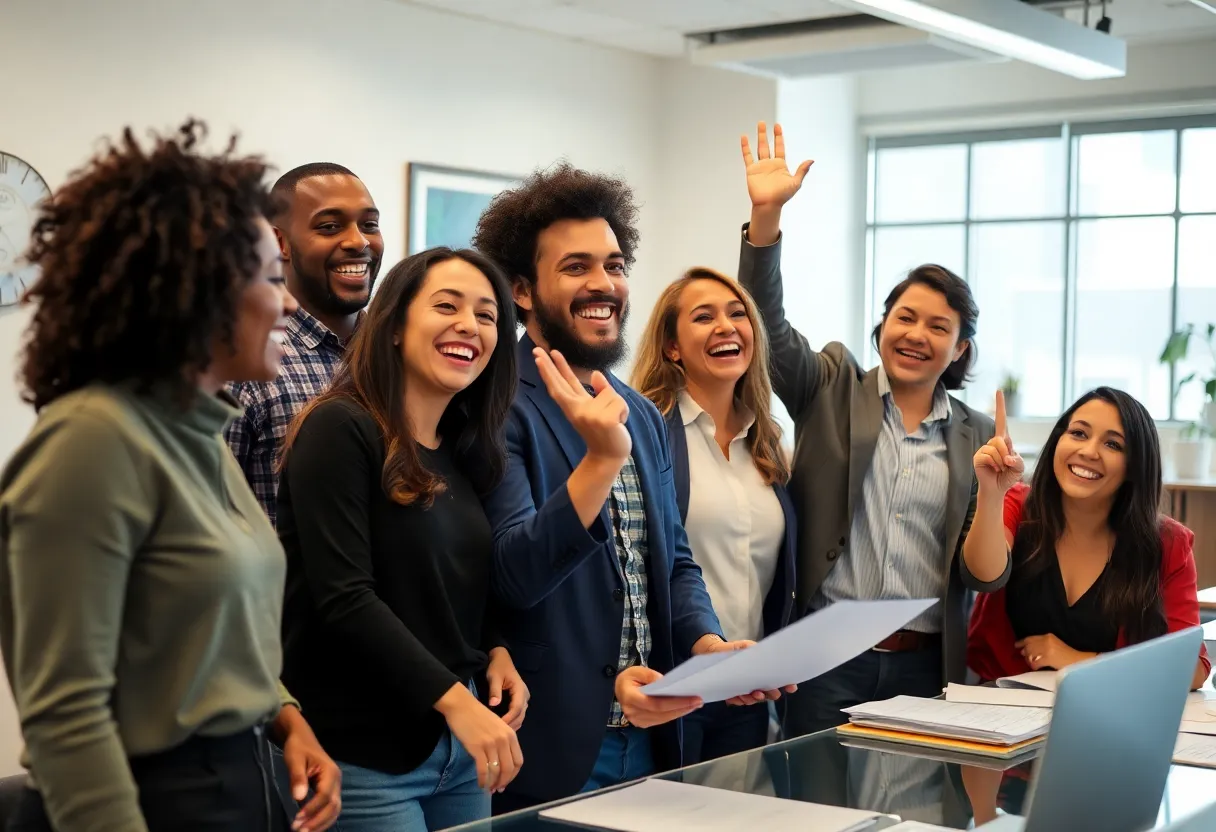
<point x="1011" y="28"/>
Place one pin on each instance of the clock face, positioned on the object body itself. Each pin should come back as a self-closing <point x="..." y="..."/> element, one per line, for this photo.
<point x="21" y="189"/>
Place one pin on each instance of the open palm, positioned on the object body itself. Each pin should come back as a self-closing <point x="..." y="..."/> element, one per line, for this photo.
<point x="769" y="180"/>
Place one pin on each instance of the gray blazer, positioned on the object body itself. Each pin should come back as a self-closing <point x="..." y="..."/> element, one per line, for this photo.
<point x="837" y="413"/>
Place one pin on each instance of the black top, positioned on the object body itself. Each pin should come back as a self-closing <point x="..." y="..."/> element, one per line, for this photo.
<point x="385" y="603"/>
<point x="1038" y="605"/>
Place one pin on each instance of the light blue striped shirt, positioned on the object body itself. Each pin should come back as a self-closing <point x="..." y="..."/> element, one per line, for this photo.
<point x="898" y="530"/>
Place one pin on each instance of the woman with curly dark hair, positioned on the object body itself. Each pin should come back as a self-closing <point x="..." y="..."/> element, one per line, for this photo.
<point x="141" y="585"/>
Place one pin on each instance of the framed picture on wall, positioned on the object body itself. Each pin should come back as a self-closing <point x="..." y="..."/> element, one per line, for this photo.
<point x="442" y="205"/>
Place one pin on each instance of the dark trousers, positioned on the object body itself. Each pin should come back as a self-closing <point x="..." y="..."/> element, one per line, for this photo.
<point x="719" y="730"/>
<point x="872" y="676"/>
<point x="206" y="784"/>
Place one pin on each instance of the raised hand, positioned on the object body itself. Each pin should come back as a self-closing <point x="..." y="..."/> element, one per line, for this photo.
<point x="997" y="465"/>
<point x="599" y="419"/>
<point x="769" y="181"/>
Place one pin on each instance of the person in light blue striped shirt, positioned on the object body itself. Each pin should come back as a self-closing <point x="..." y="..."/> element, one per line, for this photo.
<point x="882" y="476"/>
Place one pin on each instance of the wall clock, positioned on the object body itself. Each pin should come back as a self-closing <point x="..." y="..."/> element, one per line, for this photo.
<point x="21" y="189"/>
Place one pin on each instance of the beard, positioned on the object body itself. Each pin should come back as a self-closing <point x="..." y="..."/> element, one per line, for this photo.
<point x="559" y="334"/>
<point x="316" y="293"/>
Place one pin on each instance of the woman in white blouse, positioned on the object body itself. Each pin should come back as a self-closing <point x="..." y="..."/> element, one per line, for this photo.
<point x="704" y="362"/>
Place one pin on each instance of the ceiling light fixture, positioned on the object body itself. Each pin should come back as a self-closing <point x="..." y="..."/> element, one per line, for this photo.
<point x="1207" y="5"/>
<point x="1011" y="28"/>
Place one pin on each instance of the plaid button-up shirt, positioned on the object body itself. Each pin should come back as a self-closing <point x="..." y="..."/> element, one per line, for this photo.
<point x="629" y="535"/>
<point x="310" y="358"/>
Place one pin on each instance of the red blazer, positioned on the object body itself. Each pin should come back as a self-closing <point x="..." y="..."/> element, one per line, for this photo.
<point x="990" y="638"/>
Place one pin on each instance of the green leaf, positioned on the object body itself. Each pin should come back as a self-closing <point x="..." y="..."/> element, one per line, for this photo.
<point x="1177" y="345"/>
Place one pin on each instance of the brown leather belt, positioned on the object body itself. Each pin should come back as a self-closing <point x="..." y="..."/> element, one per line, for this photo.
<point x="902" y="641"/>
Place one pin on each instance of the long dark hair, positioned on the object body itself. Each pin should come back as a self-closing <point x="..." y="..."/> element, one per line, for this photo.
<point x="1130" y="593"/>
<point x="372" y="374"/>
<point x="959" y="298"/>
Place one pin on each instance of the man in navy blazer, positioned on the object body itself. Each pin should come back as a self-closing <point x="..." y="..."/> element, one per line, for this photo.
<point x="591" y="563"/>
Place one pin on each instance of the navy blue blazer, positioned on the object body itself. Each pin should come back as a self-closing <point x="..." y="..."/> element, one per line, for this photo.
<point x="561" y="593"/>
<point x="779" y="603"/>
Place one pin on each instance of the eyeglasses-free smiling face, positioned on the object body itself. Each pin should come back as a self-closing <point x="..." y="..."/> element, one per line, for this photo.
<point x="332" y="244"/>
<point x="714" y="337"/>
<point x="1090" y="460"/>
<point x="920" y="337"/>
<point x="581" y="295"/>
<point x="451" y="329"/>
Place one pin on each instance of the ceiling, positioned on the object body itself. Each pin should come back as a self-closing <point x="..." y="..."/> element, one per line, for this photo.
<point x="657" y="27"/>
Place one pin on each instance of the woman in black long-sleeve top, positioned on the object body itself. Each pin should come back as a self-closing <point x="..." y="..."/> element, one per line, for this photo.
<point x="389" y="550"/>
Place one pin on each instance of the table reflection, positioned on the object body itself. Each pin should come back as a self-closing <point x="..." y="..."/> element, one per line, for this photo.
<point x="913" y="783"/>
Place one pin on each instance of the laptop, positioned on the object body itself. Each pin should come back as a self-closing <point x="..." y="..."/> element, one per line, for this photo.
<point x="1111" y="741"/>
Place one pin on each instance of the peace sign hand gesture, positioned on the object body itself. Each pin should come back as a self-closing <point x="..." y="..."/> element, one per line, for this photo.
<point x="599" y="419"/>
<point x="997" y="465"/>
<point x="769" y="181"/>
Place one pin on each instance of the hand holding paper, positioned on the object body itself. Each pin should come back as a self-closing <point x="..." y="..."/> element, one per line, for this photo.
<point x="806" y="649"/>
<point x="648" y="711"/>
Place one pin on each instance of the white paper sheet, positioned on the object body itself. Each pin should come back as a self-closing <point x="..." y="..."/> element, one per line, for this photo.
<point x="808" y="648"/>
<point x="984" y="695"/>
<point x="1200" y="707"/>
<point x="1195" y="750"/>
<point x="995" y="723"/>
<point x="1035" y="680"/>
<point x="667" y="806"/>
<point x="1193" y="727"/>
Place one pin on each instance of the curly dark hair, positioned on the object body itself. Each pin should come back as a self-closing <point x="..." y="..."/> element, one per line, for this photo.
<point x="509" y="227"/>
<point x="143" y="256"/>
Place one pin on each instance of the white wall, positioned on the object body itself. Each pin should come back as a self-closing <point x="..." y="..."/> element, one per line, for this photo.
<point x="703" y="201"/>
<point x="373" y="84"/>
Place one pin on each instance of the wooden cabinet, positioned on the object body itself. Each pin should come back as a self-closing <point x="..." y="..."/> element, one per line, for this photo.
<point x="1193" y="503"/>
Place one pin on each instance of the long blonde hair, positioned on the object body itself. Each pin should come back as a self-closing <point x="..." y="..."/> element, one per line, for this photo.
<point x="661" y="379"/>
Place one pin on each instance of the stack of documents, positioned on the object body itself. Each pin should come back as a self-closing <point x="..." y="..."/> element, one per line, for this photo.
<point x="1034" y="680"/>
<point x="983" y="695"/>
<point x="991" y="730"/>
<point x="1036" y="689"/>
<point x="667" y="806"/>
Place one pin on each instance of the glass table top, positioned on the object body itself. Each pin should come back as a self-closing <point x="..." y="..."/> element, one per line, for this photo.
<point x="913" y="783"/>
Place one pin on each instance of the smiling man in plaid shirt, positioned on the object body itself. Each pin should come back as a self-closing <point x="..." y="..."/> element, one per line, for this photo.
<point x="329" y="237"/>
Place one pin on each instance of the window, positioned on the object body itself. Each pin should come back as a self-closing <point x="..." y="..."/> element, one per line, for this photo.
<point x="1085" y="245"/>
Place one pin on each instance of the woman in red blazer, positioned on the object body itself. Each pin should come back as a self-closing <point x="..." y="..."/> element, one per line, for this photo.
<point x="1095" y="566"/>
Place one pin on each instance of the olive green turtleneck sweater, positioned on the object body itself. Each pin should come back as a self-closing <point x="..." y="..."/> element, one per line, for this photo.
<point x="141" y="590"/>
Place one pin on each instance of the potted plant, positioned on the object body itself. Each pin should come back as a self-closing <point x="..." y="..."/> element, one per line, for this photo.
<point x="1009" y="386"/>
<point x="1176" y="349"/>
<point x="1193" y="452"/>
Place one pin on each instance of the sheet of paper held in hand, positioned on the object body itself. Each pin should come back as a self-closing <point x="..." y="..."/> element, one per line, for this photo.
<point x="808" y="648"/>
<point x="666" y="806"/>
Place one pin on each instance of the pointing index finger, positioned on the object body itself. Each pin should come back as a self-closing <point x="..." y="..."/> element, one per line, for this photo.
<point x="1002" y="428"/>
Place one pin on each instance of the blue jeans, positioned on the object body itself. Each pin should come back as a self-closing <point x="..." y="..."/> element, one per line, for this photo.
<point x="440" y="793"/>
<point x="872" y="676"/>
<point x="624" y="755"/>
